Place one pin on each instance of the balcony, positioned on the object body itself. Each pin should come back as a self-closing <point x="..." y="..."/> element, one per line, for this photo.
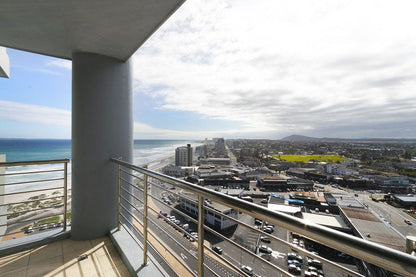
<point x="123" y="202"/>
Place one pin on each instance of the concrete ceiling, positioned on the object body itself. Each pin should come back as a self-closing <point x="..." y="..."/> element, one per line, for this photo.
<point x="60" y="27"/>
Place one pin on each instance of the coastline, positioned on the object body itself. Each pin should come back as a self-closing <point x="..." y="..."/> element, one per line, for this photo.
<point x="155" y="165"/>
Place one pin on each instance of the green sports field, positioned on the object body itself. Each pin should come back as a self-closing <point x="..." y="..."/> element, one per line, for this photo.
<point x="306" y="158"/>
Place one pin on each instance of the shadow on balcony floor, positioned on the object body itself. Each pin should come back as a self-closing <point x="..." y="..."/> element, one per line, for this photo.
<point x="66" y="258"/>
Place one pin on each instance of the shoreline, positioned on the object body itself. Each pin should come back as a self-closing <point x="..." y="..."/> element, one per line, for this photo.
<point x="24" y="196"/>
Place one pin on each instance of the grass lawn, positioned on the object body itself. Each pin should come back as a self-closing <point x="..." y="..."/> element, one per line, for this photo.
<point x="411" y="214"/>
<point x="306" y="158"/>
<point x="52" y="219"/>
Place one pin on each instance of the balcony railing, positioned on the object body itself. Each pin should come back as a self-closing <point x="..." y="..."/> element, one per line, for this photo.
<point x="33" y="197"/>
<point x="141" y="214"/>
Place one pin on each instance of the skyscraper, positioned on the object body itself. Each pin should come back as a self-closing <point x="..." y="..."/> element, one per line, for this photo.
<point x="220" y="146"/>
<point x="183" y="155"/>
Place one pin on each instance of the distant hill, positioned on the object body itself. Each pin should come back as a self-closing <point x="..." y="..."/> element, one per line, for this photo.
<point x="300" y="138"/>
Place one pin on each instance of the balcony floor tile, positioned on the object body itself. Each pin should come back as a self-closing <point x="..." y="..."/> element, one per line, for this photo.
<point x="61" y="259"/>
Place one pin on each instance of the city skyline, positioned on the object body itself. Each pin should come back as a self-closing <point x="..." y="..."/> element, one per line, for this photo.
<point x="241" y="69"/>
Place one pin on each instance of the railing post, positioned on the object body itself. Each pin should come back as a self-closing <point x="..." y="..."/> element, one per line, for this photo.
<point x="65" y="193"/>
<point x="145" y="221"/>
<point x="200" y="236"/>
<point x="119" y="198"/>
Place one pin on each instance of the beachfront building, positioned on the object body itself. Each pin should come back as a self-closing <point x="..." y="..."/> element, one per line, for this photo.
<point x="183" y="155"/>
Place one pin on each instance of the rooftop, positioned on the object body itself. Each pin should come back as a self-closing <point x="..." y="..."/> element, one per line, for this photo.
<point x="379" y="232"/>
<point x="331" y="221"/>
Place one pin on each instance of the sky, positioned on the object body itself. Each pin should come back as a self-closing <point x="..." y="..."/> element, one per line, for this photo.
<point x="247" y="69"/>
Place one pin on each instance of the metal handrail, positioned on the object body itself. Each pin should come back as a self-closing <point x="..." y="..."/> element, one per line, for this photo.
<point x="390" y="259"/>
<point x="346" y="270"/>
<point x="34" y="162"/>
<point x="38" y="162"/>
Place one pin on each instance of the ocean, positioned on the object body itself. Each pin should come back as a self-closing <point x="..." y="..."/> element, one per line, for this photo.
<point x="145" y="151"/>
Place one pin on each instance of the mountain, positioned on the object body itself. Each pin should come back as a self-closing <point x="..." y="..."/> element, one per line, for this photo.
<point x="300" y="138"/>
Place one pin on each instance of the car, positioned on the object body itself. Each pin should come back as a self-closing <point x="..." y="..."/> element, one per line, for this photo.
<point x="294" y="269"/>
<point x="264" y="201"/>
<point x="247" y="270"/>
<point x="265" y="239"/>
<point x="29" y="230"/>
<point x="408" y="222"/>
<point x="217" y="250"/>
<point x="265" y="249"/>
<point x="294" y="262"/>
<point x="315" y="263"/>
<point x="258" y="221"/>
<point x="43" y="227"/>
<point x="294" y="256"/>
<point x="312" y="268"/>
<point x="169" y="202"/>
<point x="191" y="239"/>
<point x="268" y="224"/>
<point x="267" y="230"/>
<point x="52" y="225"/>
<point x="311" y="273"/>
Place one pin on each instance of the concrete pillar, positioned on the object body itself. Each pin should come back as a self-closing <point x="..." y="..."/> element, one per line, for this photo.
<point x="102" y="127"/>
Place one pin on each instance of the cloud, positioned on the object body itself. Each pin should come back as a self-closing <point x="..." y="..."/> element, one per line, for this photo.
<point x="34" y="114"/>
<point x="280" y="67"/>
<point x="62" y="118"/>
<point x="145" y="131"/>
<point x="65" y="64"/>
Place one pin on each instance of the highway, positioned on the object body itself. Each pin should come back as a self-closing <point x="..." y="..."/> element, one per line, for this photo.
<point x="189" y="258"/>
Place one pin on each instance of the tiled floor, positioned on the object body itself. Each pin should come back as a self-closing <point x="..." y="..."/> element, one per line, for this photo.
<point x="62" y="258"/>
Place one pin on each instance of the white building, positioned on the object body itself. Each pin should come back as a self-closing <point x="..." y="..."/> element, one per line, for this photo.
<point x="4" y="63"/>
<point x="340" y="169"/>
<point x="183" y="155"/>
<point x="189" y="204"/>
<point x="178" y="171"/>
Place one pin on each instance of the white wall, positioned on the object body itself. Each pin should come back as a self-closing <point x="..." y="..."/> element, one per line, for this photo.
<point x="4" y="63"/>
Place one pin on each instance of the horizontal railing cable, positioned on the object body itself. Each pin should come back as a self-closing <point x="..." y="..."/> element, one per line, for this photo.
<point x="30" y="191"/>
<point x="32" y="172"/>
<point x="29" y="182"/>
<point x="38" y="162"/>
<point x="376" y="254"/>
<point x="139" y="243"/>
